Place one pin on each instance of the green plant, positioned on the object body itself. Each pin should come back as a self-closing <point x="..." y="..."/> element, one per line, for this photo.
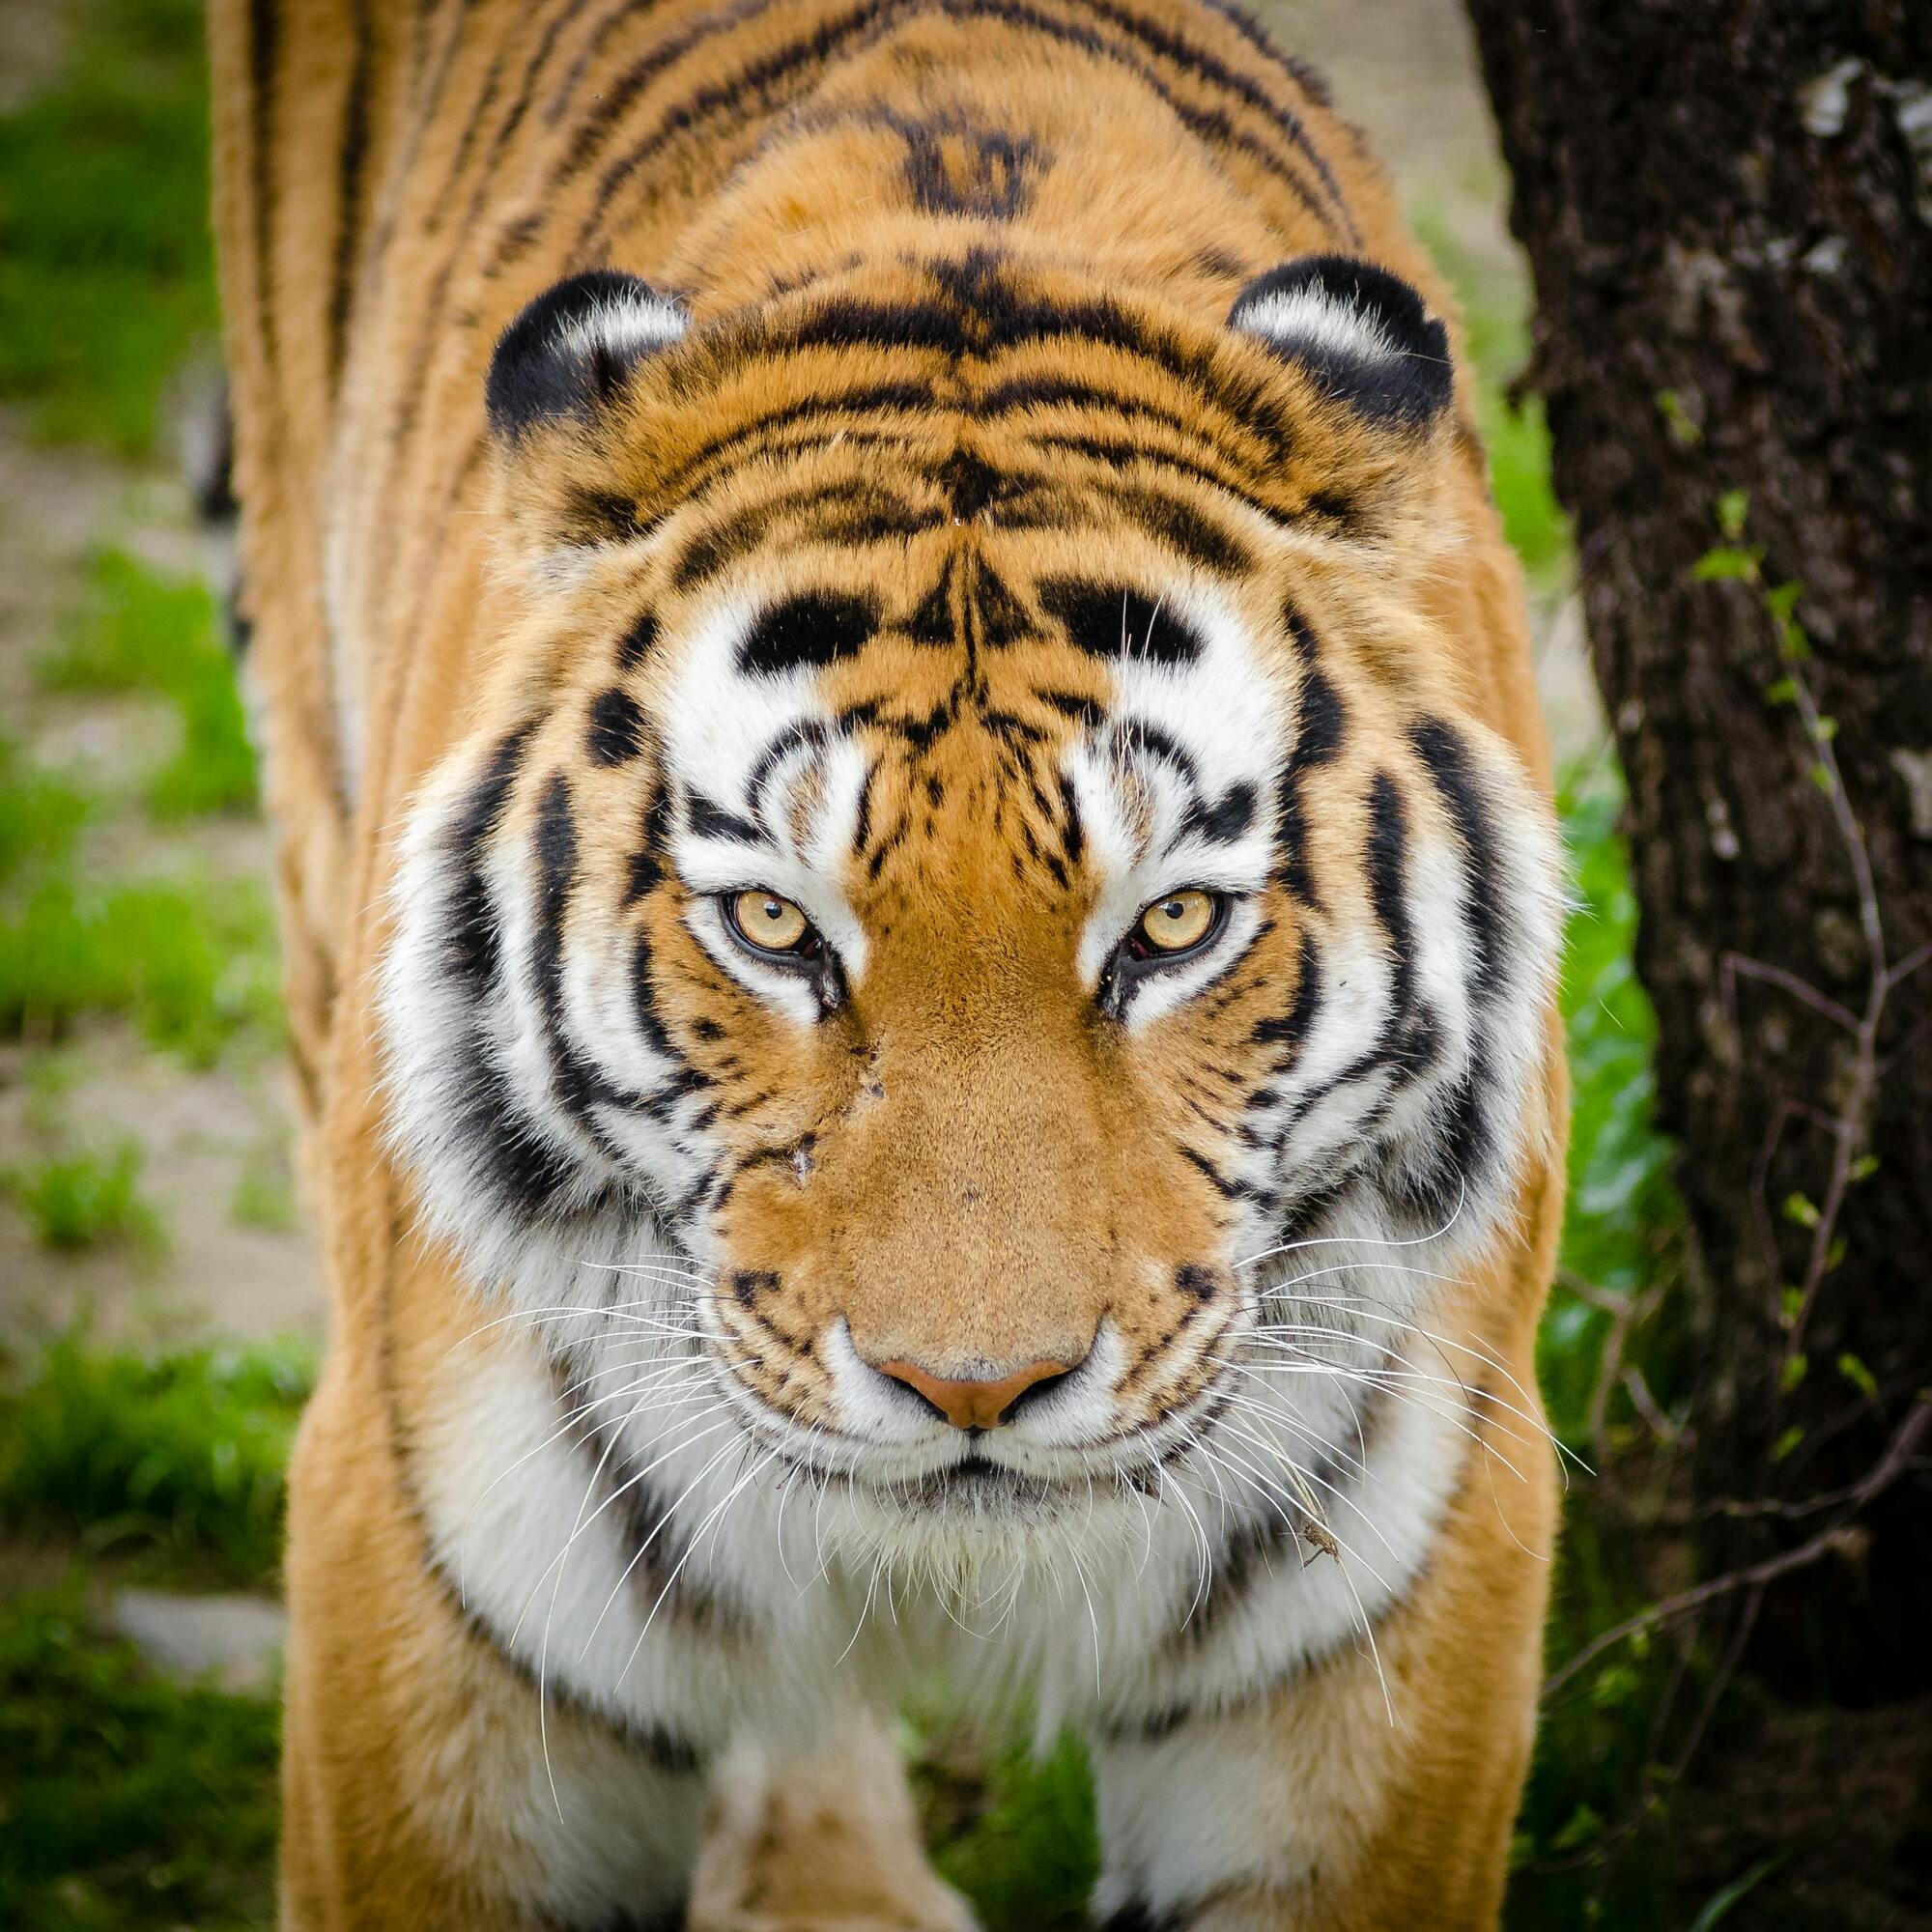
<point x="86" y="1200"/>
<point x="1027" y="1851"/>
<point x="137" y="631"/>
<point x="194" y="962"/>
<point x="39" y="813"/>
<point x="181" y="1453"/>
<point x="106" y="278"/>
<point x="126" y="1802"/>
<point x="1621" y="1220"/>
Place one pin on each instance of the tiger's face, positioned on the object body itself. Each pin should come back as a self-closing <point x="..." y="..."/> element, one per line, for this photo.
<point x="969" y="878"/>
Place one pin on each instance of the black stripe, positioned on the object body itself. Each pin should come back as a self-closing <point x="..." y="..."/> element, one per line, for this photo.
<point x="1210" y="125"/>
<point x="735" y="448"/>
<point x="617" y="732"/>
<point x="708" y="819"/>
<point x="812" y="629"/>
<point x="837" y="513"/>
<point x="757" y="77"/>
<point x="634" y="646"/>
<point x="351" y="157"/>
<point x="1115" y="454"/>
<point x="760" y="75"/>
<point x="1443" y="751"/>
<point x="1253" y="411"/>
<point x="1113" y="620"/>
<point x="646" y="864"/>
<point x="1072" y="833"/>
<point x="578" y="1087"/>
<point x="805" y="731"/>
<point x="1186" y="530"/>
<point x="1225" y="821"/>
<point x="1141" y="736"/>
<point x="434" y="308"/>
<point x="486" y="99"/>
<point x="1291" y="1029"/>
<point x="1386" y="862"/>
<point x="470" y="938"/>
<point x="263" y="44"/>
<point x="1139" y="1918"/>
<point x="1320" y="724"/>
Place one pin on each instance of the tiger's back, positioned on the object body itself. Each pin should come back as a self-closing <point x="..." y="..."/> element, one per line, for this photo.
<point x="960" y="309"/>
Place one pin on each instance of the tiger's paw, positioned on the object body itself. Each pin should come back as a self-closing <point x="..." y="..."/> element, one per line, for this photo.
<point x="828" y="1843"/>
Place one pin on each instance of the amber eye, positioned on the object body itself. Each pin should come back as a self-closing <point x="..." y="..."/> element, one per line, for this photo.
<point x="1177" y="922"/>
<point x="771" y="924"/>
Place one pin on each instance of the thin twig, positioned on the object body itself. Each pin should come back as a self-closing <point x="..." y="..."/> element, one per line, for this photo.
<point x="1882" y="1473"/>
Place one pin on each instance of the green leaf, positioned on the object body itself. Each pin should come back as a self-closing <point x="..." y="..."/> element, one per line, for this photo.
<point x="1864" y="1167"/>
<point x="1585" y="1823"/>
<point x="1614" y="1686"/>
<point x="1784" y="691"/>
<point x="1786" y="1443"/>
<point x="1801" y="1210"/>
<point x="1859" y="1375"/>
<point x="1790" y="1305"/>
<point x="1781" y="599"/>
<point x="1733" y="508"/>
<point x="1792" y="1373"/>
<point x="1727" y="561"/>
<point x="1683" y="429"/>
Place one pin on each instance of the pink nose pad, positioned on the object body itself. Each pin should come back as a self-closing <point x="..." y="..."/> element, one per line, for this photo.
<point x="974" y="1404"/>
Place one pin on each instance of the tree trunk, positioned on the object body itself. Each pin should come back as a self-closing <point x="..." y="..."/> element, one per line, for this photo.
<point x="1728" y="209"/>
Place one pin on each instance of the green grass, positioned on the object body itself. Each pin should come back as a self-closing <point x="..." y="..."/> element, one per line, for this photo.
<point x="1024" y="1847"/>
<point x="125" y="1801"/>
<point x="191" y="960"/>
<point x="137" y="631"/>
<point x="86" y="1200"/>
<point x="105" y="280"/>
<point x="179" y="1456"/>
<point x="41" y="814"/>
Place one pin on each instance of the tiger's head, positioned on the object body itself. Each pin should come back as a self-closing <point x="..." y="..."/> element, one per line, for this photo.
<point x="974" y="878"/>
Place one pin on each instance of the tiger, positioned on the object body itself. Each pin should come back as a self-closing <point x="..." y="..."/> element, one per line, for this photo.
<point x="922" y="901"/>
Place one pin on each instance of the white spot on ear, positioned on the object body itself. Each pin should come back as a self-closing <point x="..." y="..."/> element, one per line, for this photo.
<point x="624" y="326"/>
<point x="1320" y="319"/>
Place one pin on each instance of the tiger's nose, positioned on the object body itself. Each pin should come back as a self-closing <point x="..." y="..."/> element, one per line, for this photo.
<point x="970" y="1404"/>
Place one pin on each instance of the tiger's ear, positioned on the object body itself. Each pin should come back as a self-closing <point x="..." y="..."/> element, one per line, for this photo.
<point x="1362" y="333"/>
<point x="569" y="352"/>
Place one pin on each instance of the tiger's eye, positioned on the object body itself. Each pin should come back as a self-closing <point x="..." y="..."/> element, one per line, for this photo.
<point x="772" y="923"/>
<point x="1178" y="922"/>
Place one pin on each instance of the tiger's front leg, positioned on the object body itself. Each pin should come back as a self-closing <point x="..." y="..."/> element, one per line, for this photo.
<point x="828" y="1843"/>
<point x="1373" y="1792"/>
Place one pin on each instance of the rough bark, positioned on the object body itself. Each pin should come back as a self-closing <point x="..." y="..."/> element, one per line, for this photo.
<point x="1728" y="211"/>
